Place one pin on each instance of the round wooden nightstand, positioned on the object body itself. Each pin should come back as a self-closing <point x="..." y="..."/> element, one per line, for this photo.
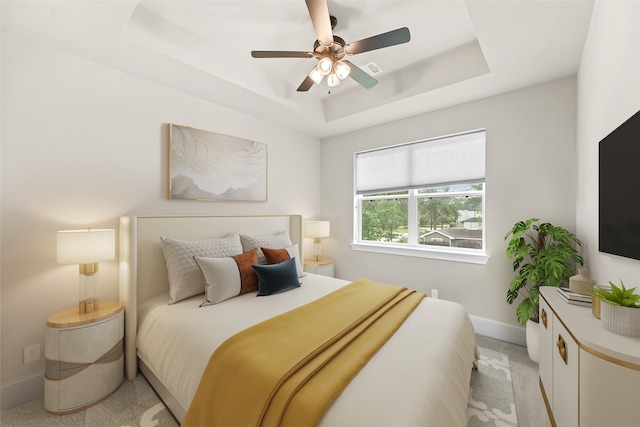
<point x="323" y="266"/>
<point x="84" y="357"/>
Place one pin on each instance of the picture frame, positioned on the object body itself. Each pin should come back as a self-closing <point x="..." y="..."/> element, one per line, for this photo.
<point x="205" y="165"/>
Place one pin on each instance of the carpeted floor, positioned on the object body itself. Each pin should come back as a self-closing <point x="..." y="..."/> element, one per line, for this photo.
<point x="491" y="399"/>
<point x="495" y="400"/>
<point x="530" y="408"/>
<point x="134" y="404"/>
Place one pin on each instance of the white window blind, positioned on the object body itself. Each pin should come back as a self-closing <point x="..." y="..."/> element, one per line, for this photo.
<point x="431" y="163"/>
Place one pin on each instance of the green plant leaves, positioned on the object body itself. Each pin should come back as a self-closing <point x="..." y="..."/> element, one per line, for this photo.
<point x="618" y="295"/>
<point x="525" y="311"/>
<point x="542" y="256"/>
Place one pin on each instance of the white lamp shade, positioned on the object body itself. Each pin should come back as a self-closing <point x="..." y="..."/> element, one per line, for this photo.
<point x="86" y="246"/>
<point x="342" y="70"/>
<point x="316" y="229"/>
<point x="324" y="65"/>
<point x="333" y="80"/>
<point x="316" y="75"/>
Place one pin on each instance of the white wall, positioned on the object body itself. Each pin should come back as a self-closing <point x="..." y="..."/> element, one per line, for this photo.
<point x="530" y="172"/>
<point x="83" y="145"/>
<point x="608" y="94"/>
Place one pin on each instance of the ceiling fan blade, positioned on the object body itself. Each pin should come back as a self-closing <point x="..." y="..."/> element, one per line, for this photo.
<point x="306" y="84"/>
<point x="360" y="76"/>
<point x="280" y="54"/>
<point x="319" y="13"/>
<point x="391" y="38"/>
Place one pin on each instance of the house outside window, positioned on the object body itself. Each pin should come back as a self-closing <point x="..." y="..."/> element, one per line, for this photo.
<point x="424" y="198"/>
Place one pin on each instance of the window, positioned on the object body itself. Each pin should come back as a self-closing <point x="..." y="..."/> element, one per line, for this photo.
<point x="424" y="198"/>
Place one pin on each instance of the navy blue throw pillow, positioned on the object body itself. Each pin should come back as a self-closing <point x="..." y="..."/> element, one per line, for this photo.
<point x="274" y="278"/>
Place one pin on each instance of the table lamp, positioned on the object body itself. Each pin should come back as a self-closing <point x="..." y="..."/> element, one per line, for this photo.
<point x="87" y="248"/>
<point x="316" y="230"/>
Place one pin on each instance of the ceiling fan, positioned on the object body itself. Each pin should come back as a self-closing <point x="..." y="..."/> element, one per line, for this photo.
<point x="330" y="50"/>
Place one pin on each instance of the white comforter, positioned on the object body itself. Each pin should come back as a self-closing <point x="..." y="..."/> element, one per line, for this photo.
<point x="419" y="378"/>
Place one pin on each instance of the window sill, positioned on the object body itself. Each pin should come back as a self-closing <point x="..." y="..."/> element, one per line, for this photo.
<point x="421" y="252"/>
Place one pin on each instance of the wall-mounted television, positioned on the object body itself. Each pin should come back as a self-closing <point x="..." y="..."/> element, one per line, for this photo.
<point x="619" y="190"/>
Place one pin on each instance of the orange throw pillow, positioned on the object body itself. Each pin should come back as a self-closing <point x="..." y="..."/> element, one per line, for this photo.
<point x="275" y="256"/>
<point x="248" y="277"/>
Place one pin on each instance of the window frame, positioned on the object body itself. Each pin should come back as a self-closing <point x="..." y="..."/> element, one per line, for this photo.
<point x="412" y="247"/>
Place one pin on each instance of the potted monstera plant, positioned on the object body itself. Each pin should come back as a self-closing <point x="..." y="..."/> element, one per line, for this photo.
<point x="542" y="255"/>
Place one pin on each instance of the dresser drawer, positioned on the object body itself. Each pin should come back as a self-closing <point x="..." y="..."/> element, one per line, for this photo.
<point x="85" y="343"/>
<point x="565" y="377"/>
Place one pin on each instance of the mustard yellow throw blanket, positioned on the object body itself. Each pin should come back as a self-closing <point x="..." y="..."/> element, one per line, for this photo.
<point x="287" y="370"/>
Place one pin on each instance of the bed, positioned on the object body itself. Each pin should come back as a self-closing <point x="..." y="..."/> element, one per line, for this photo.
<point x="419" y="377"/>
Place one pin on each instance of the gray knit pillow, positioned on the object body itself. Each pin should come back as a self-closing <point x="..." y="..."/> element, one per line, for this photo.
<point x="185" y="278"/>
<point x="277" y="241"/>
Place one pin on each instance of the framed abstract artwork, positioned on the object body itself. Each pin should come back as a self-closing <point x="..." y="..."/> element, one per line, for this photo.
<point x="211" y="166"/>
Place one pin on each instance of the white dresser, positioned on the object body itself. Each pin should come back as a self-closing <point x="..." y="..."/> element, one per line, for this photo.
<point x="588" y="375"/>
<point x="84" y="357"/>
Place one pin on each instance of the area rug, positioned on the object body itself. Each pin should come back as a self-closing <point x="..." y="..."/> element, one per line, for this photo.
<point x="491" y="400"/>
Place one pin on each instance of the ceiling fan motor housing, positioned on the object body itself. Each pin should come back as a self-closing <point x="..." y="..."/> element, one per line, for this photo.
<point x="336" y="49"/>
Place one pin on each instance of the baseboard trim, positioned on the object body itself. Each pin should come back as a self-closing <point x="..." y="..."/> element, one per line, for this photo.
<point x="19" y="392"/>
<point x="499" y="330"/>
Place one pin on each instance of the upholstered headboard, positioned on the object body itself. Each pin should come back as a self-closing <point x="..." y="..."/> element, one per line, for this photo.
<point x="143" y="271"/>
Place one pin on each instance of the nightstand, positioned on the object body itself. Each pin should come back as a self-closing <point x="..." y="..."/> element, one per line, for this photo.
<point x="84" y="357"/>
<point x="323" y="266"/>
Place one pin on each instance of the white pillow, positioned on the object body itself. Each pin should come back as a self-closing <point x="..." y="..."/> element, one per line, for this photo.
<point x="185" y="279"/>
<point x="221" y="277"/>
<point x="291" y="252"/>
<point x="295" y="253"/>
<point x="228" y="277"/>
<point x="280" y="240"/>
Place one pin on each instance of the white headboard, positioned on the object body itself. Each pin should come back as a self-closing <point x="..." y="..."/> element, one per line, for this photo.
<point x="143" y="271"/>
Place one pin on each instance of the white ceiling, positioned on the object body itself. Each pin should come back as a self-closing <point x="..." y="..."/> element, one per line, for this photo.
<point x="459" y="51"/>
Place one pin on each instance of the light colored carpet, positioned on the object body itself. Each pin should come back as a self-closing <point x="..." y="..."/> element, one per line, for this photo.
<point x="135" y="404"/>
<point x="491" y="401"/>
<point x="530" y="408"/>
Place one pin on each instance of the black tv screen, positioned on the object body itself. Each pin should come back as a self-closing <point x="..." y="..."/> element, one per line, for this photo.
<point x="619" y="189"/>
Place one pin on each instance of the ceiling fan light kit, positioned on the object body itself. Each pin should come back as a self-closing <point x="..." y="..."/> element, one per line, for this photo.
<point x="335" y="70"/>
<point x="330" y="50"/>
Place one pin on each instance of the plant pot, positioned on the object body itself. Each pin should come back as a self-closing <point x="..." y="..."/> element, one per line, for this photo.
<point x="620" y="320"/>
<point x="595" y="306"/>
<point x="533" y="340"/>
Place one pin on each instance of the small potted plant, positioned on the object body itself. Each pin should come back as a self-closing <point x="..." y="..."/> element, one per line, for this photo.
<point x="619" y="309"/>
<point x="542" y="253"/>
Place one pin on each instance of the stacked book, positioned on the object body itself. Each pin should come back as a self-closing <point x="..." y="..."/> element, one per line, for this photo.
<point x="572" y="298"/>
